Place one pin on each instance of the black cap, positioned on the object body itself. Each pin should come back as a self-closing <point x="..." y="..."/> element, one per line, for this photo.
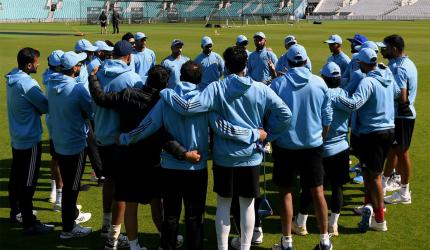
<point x="122" y="48"/>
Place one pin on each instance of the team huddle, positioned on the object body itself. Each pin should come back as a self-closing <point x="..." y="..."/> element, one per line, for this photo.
<point x="149" y="131"/>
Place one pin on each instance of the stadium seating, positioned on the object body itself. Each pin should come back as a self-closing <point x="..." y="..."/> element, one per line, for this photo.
<point x="421" y="8"/>
<point x="370" y="8"/>
<point x="328" y="6"/>
<point x="30" y="9"/>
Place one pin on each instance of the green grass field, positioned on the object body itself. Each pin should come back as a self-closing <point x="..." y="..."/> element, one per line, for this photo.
<point x="408" y="225"/>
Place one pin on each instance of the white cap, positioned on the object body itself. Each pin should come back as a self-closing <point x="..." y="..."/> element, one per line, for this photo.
<point x="70" y="59"/>
<point x="259" y="34"/>
<point x="206" y="41"/>
<point x="101" y="45"/>
<point x="84" y="45"/>
<point x="334" y="39"/>
<point x="139" y="35"/>
<point x="240" y="39"/>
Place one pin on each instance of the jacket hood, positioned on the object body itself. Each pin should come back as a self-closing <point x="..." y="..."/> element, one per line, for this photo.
<point x="385" y="77"/>
<point x="59" y="82"/>
<point x="113" y="68"/>
<point x="298" y="76"/>
<point x="185" y="89"/>
<point x="15" y="75"/>
<point x="237" y="85"/>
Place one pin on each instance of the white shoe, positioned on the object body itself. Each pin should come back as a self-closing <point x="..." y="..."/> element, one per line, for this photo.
<point x="397" y="198"/>
<point x="257" y="236"/>
<point x="332" y="229"/>
<point x="392" y="185"/>
<point x="359" y="210"/>
<point x="77" y="232"/>
<point x="235" y="243"/>
<point x="57" y="207"/>
<point x="299" y="229"/>
<point x="19" y="216"/>
<point x="83" y="217"/>
<point x="381" y="227"/>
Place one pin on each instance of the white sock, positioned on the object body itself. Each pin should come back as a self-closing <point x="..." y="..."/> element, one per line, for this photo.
<point x="333" y="219"/>
<point x="107" y="218"/>
<point x="114" y="232"/>
<point x="404" y="190"/>
<point x="222" y="222"/>
<point x="301" y="219"/>
<point x="134" y="244"/>
<point x="59" y="196"/>
<point x="287" y="241"/>
<point x="325" y="239"/>
<point x="53" y="186"/>
<point x="247" y="221"/>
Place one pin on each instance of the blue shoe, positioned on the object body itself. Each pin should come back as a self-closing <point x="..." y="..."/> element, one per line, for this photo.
<point x="358" y="179"/>
<point x="366" y="215"/>
<point x="325" y="247"/>
<point x="356" y="168"/>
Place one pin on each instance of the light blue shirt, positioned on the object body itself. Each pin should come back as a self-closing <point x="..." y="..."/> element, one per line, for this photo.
<point x="341" y="59"/>
<point x="143" y="62"/>
<point x="212" y="67"/>
<point x="406" y="76"/>
<point x="258" y="65"/>
<point x="174" y="65"/>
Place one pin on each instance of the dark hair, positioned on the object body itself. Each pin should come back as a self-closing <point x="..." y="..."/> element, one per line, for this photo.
<point x="296" y="64"/>
<point x="243" y="44"/>
<point x="127" y="36"/>
<point x="109" y="43"/>
<point x="235" y="59"/>
<point x="395" y="41"/>
<point x="332" y="82"/>
<point x="67" y="72"/>
<point x="191" y="72"/>
<point x="158" y="76"/>
<point x="26" y="56"/>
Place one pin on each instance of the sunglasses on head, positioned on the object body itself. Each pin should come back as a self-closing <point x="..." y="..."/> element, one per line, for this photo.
<point x="79" y="64"/>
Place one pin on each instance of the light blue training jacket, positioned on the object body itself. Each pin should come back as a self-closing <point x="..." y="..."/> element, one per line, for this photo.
<point x="283" y="66"/>
<point x="45" y="77"/>
<point x="406" y="76"/>
<point x="69" y="106"/>
<point x="96" y="62"/>
<point x="373" y="100"/>
<point x="341" y="59"/>
<point x="306" y="95"/>
<point x="25" y="104"/>
<point x="336" y="140"/>
<point x="114" y="76"/>
<point x="244" y="103"/>
<point x="212" y="67"/>
<point x="190" y="131"/>
<point x="143" y="62"/>
<point x="174" y="65"/>
<point x="258" y="67"/>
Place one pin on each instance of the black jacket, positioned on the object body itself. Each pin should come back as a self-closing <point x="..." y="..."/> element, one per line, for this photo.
<point x="133" y="104"/>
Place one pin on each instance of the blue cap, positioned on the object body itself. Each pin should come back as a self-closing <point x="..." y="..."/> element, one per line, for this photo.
<point x="139" y="35"/>
<point x="358" y="39"/>
<point x="206" y="41"/>
<point x="240" y="39"/>
<point x="259" y="34"/>
<point x="367" y="44"/>
<point x="101" y="45"/>
<point x="367" y="56"/>
<point x="177" y="42"/>
<point x="122" y="48"/>
<point x="54" y="59"/>
<point x="330" y="69"/>
<point x="381" y="44"/>
<point x="290" y="40"/>
<point x="84" y="45"/>
<point x="70" y="59"/>
<point x="334" y="39"/>
<point x="297" y="53"/>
